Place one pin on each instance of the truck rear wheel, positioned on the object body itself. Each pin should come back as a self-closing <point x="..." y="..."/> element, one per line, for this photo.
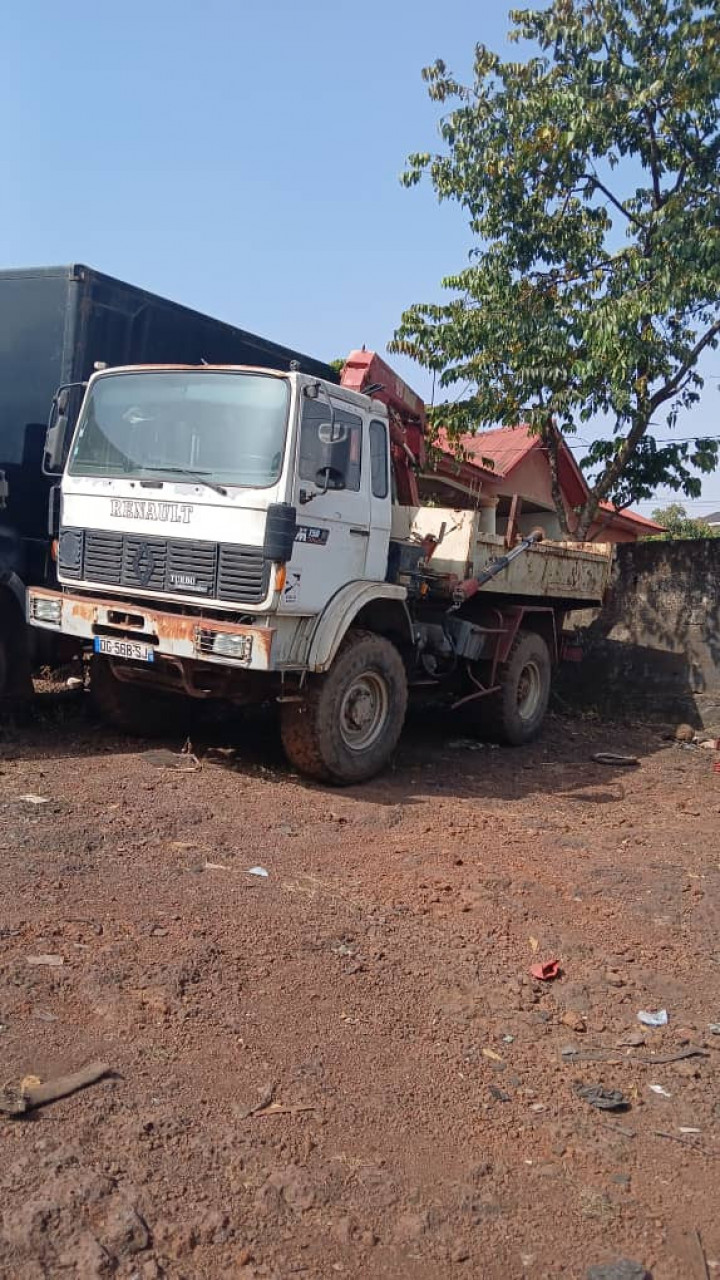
<point x="350" y="719"/>
<point x="515" y="714"/>
<point x="134" y="708"/>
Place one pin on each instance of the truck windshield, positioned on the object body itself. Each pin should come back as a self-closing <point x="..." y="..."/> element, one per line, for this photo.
<point x="226" y="427"/>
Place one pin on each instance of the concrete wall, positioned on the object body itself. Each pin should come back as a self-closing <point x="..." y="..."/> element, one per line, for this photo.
<point x="654" y="650"/>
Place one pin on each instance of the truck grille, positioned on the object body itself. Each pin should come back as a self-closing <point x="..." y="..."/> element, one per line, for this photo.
<point x="220" y="571"/>
<point x="240" y="574"/>
<point x="102" y="558"/>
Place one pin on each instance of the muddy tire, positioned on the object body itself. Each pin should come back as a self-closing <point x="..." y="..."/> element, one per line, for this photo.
<point x="5" y="664"/>
<point x="135" y="708"/>
<point x="349" y="722"/>
<point x="516" y="713"/>
<point x="16" y="686"/>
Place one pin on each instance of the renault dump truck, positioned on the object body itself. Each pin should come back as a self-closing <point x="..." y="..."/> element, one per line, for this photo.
<point x="56" y="324"/>
<point x="241" y="533"/>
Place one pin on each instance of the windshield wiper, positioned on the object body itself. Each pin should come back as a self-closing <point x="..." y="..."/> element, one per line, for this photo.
<point x="192" y="475"/>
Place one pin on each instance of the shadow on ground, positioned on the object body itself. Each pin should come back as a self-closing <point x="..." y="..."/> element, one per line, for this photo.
<point x="435" y="756"/>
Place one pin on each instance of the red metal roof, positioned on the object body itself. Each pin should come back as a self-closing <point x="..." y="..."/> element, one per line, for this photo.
<point x="506" y="447"/>
<point x="634" y="518"/>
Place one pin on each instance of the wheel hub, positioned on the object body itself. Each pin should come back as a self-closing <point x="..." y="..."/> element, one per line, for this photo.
<point x="529" y="690"/>
<point x="364" y="711"/>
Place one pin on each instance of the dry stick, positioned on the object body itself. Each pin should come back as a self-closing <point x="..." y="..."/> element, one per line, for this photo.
<point x="617" y="1128"/>
<point x="613" y="1058"/>
<point x="693" y="1051"/>
<point x="277" y="1109"/>
<point x="674" y="1137"/>
<point x="16" y="1102"/>
<point x="702" y="1255"/>
<point x="266" y="1096"/>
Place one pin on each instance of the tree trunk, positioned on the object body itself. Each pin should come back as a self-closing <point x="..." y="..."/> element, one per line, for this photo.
<point x="552" y="441"/>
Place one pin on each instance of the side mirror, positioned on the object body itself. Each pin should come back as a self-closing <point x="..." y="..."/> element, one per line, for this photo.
<point x="54" y="454"/>
<point x="333" y="456"/>
<point x="57" y="437"/>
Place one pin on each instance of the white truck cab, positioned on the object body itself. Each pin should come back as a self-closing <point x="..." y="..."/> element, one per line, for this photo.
<point x="226" y="532"/>
<point x="179" y="467"/>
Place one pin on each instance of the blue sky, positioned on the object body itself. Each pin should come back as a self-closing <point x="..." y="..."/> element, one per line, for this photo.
<point x="243" y="158"/>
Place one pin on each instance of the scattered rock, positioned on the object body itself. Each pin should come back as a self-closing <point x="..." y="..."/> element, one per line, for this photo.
<point x="410" y="1227"/>
<point x="161" y="758"/>
<point x="290" y="1187"/>
<point x="499" y="1095"/>
<point x="603" y="1099"/>
<point x="574" y="1021"/>
<point x="461" y="1254"/>
<point x="684" y="733"/>
<point x="342" y="1230"/>
<point x="86" y="1258"/>
<point x="623" y="1269"/>
<point x="214" y="1228"/>
<point x="611" y="758"/>
<point x="614" y="978"/>
<point x="124" y="1232"/>
<point x="633" y="1040"/>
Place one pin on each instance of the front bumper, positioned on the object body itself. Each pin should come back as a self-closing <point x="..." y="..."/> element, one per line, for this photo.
<point x="173" y="635"/>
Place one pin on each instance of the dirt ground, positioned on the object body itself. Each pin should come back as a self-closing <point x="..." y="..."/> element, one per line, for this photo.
<point x="344" y="1067"/>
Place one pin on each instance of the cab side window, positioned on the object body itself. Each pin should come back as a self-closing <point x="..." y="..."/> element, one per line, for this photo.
<point x="328" y="450"/>
<point x="379" y="459"/>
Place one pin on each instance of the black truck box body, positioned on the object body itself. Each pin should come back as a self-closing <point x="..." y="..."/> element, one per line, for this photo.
<point x="55" y="324"/>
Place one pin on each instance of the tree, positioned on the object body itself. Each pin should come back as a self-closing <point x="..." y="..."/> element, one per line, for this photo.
<point x="589" y="174"/>
<point x="678" y="524"/>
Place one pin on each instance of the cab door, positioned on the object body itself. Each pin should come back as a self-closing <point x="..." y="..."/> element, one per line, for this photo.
<point x="332" y="499"/>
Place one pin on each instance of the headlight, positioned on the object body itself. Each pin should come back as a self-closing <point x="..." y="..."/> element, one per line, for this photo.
<point x="46" y="609"/>
<point x="226" y="645"/>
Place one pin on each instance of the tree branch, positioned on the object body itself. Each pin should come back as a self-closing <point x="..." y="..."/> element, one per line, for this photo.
<point x="654" y="158"/>
<point x="673" y="384"/>
<point x="631" y="217"/>
<point x="642" y="421"/>
<point x="552" y="440"/>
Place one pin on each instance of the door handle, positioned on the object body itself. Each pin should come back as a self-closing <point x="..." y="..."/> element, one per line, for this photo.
<point x="361" y="533"/>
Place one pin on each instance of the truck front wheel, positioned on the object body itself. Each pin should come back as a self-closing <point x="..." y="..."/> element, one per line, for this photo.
<point x="350" y="719"/>
<point x="515" y="713"/>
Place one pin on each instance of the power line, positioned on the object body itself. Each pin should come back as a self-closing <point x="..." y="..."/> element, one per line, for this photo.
<point x="670" y="499"/>
<point x="586" y="444"/>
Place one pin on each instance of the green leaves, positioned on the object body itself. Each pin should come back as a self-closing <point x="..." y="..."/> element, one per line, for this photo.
<point x="679" y="525"/>
<point x="589" y="174"/>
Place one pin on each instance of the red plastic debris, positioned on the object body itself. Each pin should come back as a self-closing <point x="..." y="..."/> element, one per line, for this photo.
<point x="545" y="971"/>
<point x="716" y="766"/>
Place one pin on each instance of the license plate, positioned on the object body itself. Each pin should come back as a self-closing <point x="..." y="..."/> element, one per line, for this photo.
<point x="124" y="649"/>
